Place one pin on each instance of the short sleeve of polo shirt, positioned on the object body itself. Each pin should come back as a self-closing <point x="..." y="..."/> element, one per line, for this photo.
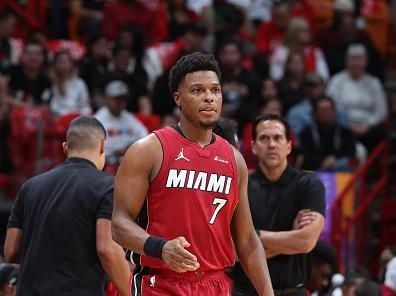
<point x="16" y="217"/>
<point x="105" y="208"/>
<point x="312" y="194"/>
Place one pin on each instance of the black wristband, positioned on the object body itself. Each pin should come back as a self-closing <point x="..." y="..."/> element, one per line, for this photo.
<point x="153" y="246"/>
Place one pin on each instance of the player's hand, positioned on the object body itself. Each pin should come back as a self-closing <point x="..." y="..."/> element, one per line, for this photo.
<point x="304" y="218"/>
<point x="177" y="258"/>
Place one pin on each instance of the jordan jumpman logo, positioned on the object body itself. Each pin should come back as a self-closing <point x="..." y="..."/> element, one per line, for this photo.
<point x="181" y="155"/>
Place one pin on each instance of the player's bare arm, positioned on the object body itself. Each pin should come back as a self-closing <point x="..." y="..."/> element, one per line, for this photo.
<point x="13" y="245"/>
<point x="247" y="244"/>
<point x="296" y="241"/>
<point x="112" y="257"/>
<point x="138" y="168"/>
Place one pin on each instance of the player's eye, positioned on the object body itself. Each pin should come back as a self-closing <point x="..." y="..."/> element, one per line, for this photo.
<point x="197" y="90"/>
<point x="216" y="90"/>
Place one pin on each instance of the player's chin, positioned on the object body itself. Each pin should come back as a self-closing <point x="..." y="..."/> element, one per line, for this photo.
<point x="208" y="124"/>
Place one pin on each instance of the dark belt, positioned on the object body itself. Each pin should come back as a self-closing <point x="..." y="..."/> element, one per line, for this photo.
<point x="288" y="291"/>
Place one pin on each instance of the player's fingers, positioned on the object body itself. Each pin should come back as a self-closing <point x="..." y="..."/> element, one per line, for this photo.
<point x="183" y="242"/>
<point x="180" y="258"/>
<point x="182" y="267"/>
<point x="186" y="254"/>
<point x="187" y="267"/>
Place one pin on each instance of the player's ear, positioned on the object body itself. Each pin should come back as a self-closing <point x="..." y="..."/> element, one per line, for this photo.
<point x="176" y="97"/>
<point x="64" y="148"/>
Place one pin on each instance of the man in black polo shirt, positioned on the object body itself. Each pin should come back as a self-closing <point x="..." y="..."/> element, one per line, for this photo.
<point x="288" y="208"/>
<point x="60" y="227"/>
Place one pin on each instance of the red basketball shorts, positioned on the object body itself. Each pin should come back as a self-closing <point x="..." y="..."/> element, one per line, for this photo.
<point x="150" y="282"/>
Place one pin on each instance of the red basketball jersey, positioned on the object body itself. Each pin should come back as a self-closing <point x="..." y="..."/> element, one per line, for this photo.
<point x="194" y="195"/>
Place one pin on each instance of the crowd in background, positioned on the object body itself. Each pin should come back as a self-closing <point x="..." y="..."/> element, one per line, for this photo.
<point x="111" y="59"/>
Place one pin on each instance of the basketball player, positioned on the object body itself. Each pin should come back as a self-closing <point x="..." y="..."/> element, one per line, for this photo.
<point x="181" y="192"/>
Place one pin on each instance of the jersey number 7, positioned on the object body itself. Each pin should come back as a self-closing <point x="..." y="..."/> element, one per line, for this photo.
<point x="219" y="203"/>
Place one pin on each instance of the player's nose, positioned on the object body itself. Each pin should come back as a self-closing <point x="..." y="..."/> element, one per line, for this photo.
<point x="209" y="96"/>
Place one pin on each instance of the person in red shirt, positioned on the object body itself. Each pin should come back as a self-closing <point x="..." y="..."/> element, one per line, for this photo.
<point x="149" y="16"/>
<point x="181" y="197"/>
<point x="270" y="34"/>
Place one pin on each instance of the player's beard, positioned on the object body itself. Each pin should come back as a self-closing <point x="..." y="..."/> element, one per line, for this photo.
<point x="208" y="125"/>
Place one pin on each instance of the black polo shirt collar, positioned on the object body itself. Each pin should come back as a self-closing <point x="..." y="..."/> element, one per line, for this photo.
<point x="284" y="179"/>
<point x="79" y="160"/>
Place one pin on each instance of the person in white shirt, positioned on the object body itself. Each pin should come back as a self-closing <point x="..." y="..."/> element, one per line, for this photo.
<point x="298" y="38"/>
<point x="68" y="93"/>
<point x="122" y="127"/>
<point x="362" y="97"/>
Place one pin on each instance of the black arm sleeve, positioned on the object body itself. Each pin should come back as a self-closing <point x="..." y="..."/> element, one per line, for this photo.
<point x="312" y="194"/>
<point x="105" y="208"/>
<point x="16" y="217"/>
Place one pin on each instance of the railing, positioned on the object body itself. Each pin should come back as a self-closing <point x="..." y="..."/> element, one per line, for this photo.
<point x="344" y="231"/>
<point x="33" y="14"/>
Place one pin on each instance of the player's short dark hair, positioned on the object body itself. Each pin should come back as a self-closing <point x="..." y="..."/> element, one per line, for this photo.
<point x="84" y="133"/>
<point x="275" y="117"/>
<point x="190" y="63"/>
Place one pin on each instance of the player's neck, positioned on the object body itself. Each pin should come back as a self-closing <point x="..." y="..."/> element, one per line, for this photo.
<point x="195" y="134"/>
<point x="273" y="173"/>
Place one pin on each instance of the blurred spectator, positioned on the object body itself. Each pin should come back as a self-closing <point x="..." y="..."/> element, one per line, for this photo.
<point x="13" y="281"/>
<point x="361" y="96"/>
<point x="168" y="120"/>
<point x="270" y="34"/>
<point x="354" y="277"/>
<point x="93" y="68"/>
<point x="238" y="84"/>
<point x="88" y="15"/>
<point x="29" y="80"/>
<point x="387" y="254"/>
<point x="389" y="286"/>
<point x="8" y="46"/>
<point x="298" y="38"/>
<point x="368" y="288"/>
<point x="6" y="165"/>
<point x="143" y="63"/>
<point x="229" y="19"/>
<point x="179" y="16"/>
<point x="342" y="32"/>
<point x="192" y="41"/>
<point x="145" y="114"/>
<point x="323" y="268"/>
<point x="5" y="274"/>
<point x="258" y="11"/>
<point x="291" y="86"/>
<point x="118" y="70"/>
<point x="300" y="115"/>
<point x="68" y="93"/>
<point x="122" y="127"/>
<point x="147" y="15"/>
<point x="325" y="144"/>
<point x="227" y="129"/>
<point x="302" y="8"/>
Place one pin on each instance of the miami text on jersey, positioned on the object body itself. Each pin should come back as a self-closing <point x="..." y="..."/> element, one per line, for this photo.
<point x="198" y="180"/>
